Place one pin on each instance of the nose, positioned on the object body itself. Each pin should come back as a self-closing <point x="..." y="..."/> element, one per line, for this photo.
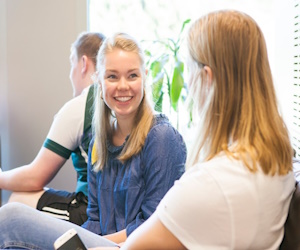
<point x="123" y="84"/>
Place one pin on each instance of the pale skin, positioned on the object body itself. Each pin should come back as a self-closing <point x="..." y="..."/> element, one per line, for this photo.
<point x="153" y="234"/>
<point x="28" y="182"/>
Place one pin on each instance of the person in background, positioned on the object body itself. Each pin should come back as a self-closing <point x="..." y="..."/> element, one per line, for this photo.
<point x="70" y="134"/>
<point x="239" y="182"/>
<point x="134" y="159"/>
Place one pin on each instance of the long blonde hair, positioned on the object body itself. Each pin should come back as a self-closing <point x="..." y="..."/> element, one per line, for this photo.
<point x="103" y="116"/>
<point x="240" y="106"/>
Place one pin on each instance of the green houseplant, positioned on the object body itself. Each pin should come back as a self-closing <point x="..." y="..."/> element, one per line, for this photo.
<point x="166" y="70"/>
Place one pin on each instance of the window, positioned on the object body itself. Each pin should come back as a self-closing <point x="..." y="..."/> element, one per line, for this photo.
<point x="157" y="20"/>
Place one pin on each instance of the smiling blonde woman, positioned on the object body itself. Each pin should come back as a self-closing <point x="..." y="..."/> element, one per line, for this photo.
<point x="134" y="159"/>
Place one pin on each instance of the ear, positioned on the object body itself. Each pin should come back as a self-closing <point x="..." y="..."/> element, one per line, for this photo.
<point x="208" y="74"/>
<point x="84" y="64"/>
<point x="146" y="72"/>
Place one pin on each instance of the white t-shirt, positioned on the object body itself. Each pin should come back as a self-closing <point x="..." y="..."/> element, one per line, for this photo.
<point x="67" y="127"/>
<point x="220" y="204"/>
<point x="70" y="134"/>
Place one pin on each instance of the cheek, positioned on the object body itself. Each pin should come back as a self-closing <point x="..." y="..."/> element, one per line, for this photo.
<point x="75" y="73"/>
<point x="105" y="97"/>
<point x="142" y="91"/>
<point x="105" y="92"/>
<point x="139" y="88"/>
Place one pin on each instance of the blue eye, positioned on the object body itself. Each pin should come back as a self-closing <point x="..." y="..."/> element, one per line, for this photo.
<point x="133" y="75"/>
<point x="111" y="77"/>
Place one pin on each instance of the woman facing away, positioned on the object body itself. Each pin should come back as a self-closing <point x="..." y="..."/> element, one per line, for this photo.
<point x="134" y="159"/>
<point x="239" y="183"/>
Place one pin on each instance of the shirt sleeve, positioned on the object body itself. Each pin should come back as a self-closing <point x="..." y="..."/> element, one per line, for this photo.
<point x="92" y="224"/>
<point x="67" y="128"/>
<point x="163" y="160"/>
<point x="195" y="210"/>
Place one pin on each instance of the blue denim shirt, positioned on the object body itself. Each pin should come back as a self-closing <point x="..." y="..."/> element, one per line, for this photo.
<point x="125" y="195"/>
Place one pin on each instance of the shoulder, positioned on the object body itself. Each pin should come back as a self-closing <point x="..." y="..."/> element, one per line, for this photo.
<point x="218" y="167"/>
<point x="218" y="174"/>
<point x="162" y="127"/>
<point x="75" y="107"/>
<point x="162" y="134"/>
<point x="161" y="119"/>
<point x="73" y="110"/>
<point x="164" y="140"/>
<point x="78" y="100"/>
<point x="227" y="173"/>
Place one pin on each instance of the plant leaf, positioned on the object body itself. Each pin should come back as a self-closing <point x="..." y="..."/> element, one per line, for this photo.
<point x="157" y="87"/>
<point x="155" y="68"/>
<point x="177" y="84"/>
<point x="158" y="103"/>
<point x="184" y="23"/>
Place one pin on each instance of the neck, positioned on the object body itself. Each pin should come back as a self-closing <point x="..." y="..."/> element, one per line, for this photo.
<point x="79" y="90"/>
<point x="122" y="128"/>
<point x="85" y="82"/>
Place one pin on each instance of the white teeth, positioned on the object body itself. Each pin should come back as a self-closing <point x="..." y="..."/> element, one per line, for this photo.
<point x="123" y="98"/>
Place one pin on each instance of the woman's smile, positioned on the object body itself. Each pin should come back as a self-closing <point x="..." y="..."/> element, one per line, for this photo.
<point x="123" y="83"/>
<point x="123" y="98"/>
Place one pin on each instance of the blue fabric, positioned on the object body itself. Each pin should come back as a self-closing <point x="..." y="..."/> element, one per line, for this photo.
<point x="125" y="195"/>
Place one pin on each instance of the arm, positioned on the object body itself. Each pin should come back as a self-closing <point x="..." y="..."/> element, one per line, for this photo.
<point x="152" y="235"/>
<point x="44" y="167"/>
<point x="34" y="176"/>
<point x="117" y="237"/>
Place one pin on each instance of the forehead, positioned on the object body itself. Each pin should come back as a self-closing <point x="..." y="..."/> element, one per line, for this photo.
<point x="121" y="58"/>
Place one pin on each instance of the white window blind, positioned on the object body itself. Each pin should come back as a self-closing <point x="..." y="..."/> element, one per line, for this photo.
<point x="296" y="81"/>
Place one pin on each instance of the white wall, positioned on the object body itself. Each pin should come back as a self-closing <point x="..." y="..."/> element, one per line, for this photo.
<point x="35" y="39"/>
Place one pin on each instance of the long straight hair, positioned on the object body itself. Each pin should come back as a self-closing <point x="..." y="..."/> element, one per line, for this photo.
<point x="103" y="116"/>
<point x="238" y="112"/>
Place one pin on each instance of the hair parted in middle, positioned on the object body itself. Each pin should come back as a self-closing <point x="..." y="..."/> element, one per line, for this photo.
<point x="103" y="116"/>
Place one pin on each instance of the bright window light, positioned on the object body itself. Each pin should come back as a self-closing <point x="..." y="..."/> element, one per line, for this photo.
<point x="149" y="20"/>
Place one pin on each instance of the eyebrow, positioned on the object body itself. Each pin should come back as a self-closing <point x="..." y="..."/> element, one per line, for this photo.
<point x="110" y="70"/>
<point x="115" y="71"/>
<point x="134" y="69"/>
